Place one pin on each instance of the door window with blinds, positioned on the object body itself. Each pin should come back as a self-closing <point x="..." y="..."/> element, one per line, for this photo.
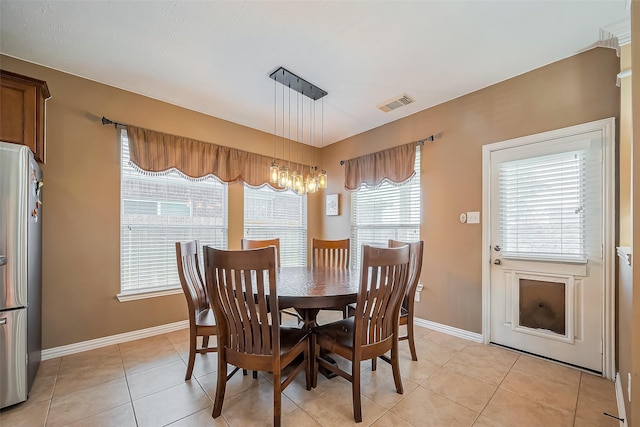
<point x="544" y="205"/>
<point x="283" y="214"/>
<point x="159" y="210"/>
<point x="390" y="211"/>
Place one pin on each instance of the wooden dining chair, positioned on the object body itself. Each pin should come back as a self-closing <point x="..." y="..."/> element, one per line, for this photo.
<point x="373" y="330"/>
<point x="241" y="285"/>
<point x="201" y="319"/>
<point x="332" y="254"/>
<point x="416" y="250"/>
<point x="257" y="244"/>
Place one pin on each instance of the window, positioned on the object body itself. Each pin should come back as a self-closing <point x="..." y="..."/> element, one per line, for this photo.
<point x="156" y="212"/>
<point x="389" y="211"/>
<point x="542" y="206"/>
<point x="269" y="214"/>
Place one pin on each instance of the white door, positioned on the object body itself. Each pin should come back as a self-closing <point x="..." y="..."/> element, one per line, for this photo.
<point x="546" y="235"/>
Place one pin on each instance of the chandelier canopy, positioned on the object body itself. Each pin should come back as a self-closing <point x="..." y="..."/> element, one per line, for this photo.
<point x="291" y="174"/>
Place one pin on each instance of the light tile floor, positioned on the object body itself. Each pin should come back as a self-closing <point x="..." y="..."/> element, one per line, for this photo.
<point x="454" y="383"/>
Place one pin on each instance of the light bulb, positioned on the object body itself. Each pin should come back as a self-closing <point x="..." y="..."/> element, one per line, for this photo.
<point x="298" y="181"/>
<point x="322" y="179"/>
<point x="283" y="176"/>
<point x="274" y="172"/>
<point x="311" y="184"/>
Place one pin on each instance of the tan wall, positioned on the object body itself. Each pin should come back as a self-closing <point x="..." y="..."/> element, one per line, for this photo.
<point x="576" y="90"/>
<point x="81" y="265"/>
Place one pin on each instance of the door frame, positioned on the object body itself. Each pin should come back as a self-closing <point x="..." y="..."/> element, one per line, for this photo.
<point x="607" y="128"/>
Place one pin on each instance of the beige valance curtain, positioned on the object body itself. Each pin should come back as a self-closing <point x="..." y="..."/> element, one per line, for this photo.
<point x="395" y="165"/>
<point x="158" y="152"/>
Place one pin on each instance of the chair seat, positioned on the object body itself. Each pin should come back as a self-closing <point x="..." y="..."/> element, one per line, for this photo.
<point x="290" y="337"/>
<point x="340" y="332"/>
<point x="205" y="318"/>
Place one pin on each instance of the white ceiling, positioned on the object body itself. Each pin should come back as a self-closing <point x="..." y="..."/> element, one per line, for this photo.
<point x="215" y="57"/>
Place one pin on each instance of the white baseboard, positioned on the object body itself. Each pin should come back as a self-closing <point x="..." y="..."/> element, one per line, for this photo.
<point x="460" y="333"/>
<point x="622" y="413"/>
<point x="65" y="350"/>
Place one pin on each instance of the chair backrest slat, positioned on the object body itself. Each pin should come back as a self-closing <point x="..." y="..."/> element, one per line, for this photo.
<point x="258" y="244"/>
<point x="330" y="253"/>
<point x="193" y="285"/>
<point x="416" y="251"/>
<point x="383" y="282"/>
<point x="238" y="292"/>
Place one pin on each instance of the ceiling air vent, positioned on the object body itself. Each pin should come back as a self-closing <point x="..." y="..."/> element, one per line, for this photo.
<point x="397" y="102"/>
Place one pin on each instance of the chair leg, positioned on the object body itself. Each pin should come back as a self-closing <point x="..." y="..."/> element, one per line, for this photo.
<point x="395" y="365"/>
<point x="412" y="342"/>
<point x="374" y="363"/>
<point x="193" y="342"/>
<point x="205" y="341"/>
<point x="220" y="385"/>
<point x="355" y="390"/>
<point x="277" y="398"/>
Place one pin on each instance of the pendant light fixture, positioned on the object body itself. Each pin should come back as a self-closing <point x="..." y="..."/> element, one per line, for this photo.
<point x="274" y="169"/>
<point x="322" y="176"/>
<point x="283" y="175"/>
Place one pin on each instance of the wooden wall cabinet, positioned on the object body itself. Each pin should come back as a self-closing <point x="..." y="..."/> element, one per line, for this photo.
<point x="22" y="104"/>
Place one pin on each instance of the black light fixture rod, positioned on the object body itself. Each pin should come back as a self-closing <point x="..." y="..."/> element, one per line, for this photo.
<point x="297" y="83"/>
<point x="420" y="142"/>
<point x="106" y="121"/>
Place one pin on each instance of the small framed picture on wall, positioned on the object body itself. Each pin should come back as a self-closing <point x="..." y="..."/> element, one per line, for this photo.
<point x="332" y="207"/>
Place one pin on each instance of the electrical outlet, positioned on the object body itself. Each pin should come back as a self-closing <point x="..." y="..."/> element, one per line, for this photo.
<point x="418" y="290"/>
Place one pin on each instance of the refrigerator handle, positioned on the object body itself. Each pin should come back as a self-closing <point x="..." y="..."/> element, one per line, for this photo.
<point x="3" y="321"/>
<point x="3" y="260"/>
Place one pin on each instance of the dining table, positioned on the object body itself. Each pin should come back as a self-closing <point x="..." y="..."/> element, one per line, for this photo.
<point x="311" y="289"/>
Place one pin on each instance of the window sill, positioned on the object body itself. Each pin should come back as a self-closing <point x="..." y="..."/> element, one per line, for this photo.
<point x="132" y="296"/>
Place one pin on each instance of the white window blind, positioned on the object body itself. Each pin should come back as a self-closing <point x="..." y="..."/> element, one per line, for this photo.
<point x="544" y="203"/>
<point x="156" y="212"/>
<point x="389" y="211"/>
<point x="269" y="214"/>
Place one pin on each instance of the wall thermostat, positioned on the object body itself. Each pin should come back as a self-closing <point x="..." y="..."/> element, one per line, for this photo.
<point x="463" y="217"/>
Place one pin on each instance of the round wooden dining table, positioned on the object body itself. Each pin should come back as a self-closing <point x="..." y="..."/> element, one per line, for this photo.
<point x="311" y="289"/>
<point x="316" y="287"/>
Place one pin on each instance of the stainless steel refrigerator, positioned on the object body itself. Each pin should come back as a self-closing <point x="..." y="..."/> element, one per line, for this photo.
<point x="20" y="272"/>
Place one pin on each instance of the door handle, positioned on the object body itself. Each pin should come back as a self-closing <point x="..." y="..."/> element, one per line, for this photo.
<point x="497" y="262"/>
<point x="3" y="260"/>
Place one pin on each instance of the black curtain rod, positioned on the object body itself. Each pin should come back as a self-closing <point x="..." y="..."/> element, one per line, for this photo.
<point x="420" y="142"/>
<point x="106" y="121"/>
